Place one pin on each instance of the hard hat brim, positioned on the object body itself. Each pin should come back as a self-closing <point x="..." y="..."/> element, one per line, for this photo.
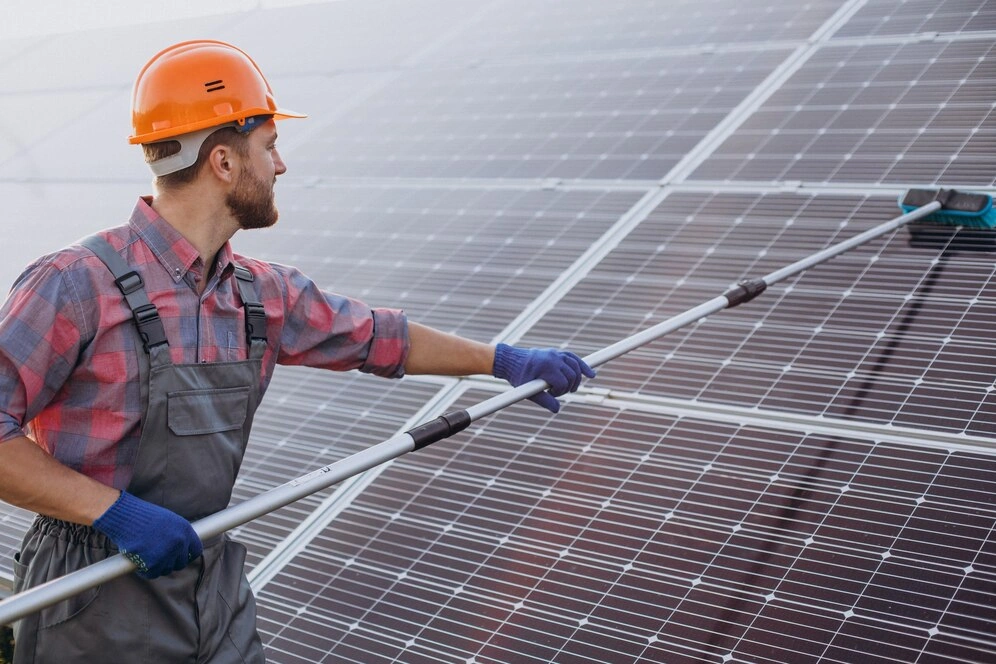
<point x="287" y="113"/>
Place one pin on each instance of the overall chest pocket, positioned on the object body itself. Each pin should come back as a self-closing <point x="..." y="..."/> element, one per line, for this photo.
<point x="201" y="412"/>
<point x="204" y="450"/>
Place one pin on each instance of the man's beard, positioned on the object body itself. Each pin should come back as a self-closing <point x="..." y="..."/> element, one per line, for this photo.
<point x="251" y="202"/>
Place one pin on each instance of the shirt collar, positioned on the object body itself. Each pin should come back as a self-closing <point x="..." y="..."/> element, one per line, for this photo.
<point x="174" y="252"/>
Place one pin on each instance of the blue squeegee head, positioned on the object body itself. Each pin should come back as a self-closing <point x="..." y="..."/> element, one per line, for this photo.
<point x="959" y="208"/>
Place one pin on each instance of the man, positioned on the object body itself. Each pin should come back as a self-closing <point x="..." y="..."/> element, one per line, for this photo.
<point x="131" y="365"/>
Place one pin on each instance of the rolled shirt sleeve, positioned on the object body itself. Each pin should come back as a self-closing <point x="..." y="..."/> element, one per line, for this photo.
<point x="325" y="330"/>
<point x="389" y="344"/>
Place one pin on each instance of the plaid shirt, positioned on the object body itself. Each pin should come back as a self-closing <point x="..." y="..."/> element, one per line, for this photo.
<point x="68" y="360"/>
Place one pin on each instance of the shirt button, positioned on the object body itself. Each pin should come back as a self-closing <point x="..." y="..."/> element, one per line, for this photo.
<point x="177" y="272"/>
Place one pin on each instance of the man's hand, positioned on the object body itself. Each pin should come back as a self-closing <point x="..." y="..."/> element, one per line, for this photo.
<point x="157" y="540"/>
<point x="561" y="370"/>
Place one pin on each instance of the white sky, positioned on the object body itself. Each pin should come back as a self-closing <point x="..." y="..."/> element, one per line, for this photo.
<point x="30" y="18"/>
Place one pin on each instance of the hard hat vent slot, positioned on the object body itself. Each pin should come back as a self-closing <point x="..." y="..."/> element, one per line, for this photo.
<point x="215" y="85"/>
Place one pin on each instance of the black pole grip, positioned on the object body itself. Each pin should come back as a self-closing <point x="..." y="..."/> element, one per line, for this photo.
<point x="745" y="291"/>
<point x="442" y="427"/>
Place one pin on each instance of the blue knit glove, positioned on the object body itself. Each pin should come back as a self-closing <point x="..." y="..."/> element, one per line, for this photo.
<point x="157" y="540"/>
<point x="561" y="370"/>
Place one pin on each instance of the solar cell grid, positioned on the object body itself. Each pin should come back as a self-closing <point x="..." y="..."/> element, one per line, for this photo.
<point x="466" y="260"/>
<point x="903" y="17"/>
<point x="630" y="118"/>
<point x="632" y="537"/>
<point x="875" y="334"/>
<point x="445" y="255"/>
<point x="517" y="29"/>
<point x="891" y="112"/>
<point x="317" y="419"/>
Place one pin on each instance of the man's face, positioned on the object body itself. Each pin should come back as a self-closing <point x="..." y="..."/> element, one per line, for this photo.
<point x="252" y="199"/>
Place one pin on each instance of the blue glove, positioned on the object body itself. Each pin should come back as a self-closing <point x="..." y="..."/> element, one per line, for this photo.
<point x="157" y="540"/>
<point x="561" y="370"/>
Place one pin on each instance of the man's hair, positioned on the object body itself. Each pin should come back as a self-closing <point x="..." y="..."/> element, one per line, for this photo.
<point x="224" y="136"/>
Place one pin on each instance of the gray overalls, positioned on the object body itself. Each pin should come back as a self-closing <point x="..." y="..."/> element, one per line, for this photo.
<point x="194" y="435"/>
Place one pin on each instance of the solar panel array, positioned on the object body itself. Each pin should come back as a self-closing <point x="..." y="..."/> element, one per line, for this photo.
<point x="806" y="478"/>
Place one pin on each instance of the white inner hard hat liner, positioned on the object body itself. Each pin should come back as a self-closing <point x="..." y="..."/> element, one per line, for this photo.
<point x="190" y="146"/>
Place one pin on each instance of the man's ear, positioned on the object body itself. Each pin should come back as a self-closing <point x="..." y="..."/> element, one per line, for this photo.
<point x="222" y="162"/>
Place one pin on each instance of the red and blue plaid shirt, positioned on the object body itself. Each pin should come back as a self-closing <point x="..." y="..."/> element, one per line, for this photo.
<point x="68" y="360"/>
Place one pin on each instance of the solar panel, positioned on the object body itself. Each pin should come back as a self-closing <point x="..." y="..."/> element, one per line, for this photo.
<point x="317" y="419"/>
<point x="905" y="17"/>
<point x="627" y="536"/>
<point x="887" y="333"/>
<point x="631" y="118"/>
<point x="529" y="30"/>
<point x="455" y="258"/>
<point x="465" y="259"/>
<point x="916" y="111"/>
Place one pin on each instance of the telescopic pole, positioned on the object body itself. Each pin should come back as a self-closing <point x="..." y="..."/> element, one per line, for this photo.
<point x="444" y="426"/>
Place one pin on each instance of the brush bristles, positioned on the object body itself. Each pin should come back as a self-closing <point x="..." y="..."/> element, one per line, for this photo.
<point x="983" y="220"/>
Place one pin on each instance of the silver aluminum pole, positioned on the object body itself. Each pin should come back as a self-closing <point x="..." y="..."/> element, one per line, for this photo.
<point x="56" y="590"/>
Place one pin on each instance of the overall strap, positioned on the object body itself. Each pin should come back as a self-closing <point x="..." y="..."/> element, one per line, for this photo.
<point x="255" y="314"/>
<point x="150" y="326"/>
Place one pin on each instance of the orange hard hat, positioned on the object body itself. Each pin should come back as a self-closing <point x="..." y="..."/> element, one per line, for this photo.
<point x="196" y="85"/>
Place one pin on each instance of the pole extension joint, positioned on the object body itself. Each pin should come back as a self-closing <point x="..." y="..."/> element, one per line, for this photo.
<point x="442" y="427"/>
<point x="745" y="291"/>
